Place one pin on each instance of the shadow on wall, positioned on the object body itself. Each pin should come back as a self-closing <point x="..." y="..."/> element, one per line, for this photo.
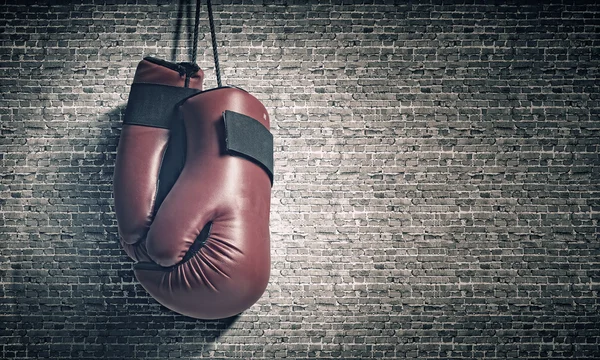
<point x="84" y="289"/>
<point x="67" y="287"/>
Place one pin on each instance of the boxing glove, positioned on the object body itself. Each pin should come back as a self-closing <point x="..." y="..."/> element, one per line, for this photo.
<point x="150" y="151"/>
<point x="201" y="241"/>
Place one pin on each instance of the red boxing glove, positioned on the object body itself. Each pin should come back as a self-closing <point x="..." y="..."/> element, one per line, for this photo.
<point x="192" y="190"/>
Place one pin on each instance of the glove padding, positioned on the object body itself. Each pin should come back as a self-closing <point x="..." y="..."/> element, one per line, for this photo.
<point x="203" y="251"/>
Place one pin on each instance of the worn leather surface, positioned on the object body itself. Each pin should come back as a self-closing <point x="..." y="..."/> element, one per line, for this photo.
<point x="230" y="271"/>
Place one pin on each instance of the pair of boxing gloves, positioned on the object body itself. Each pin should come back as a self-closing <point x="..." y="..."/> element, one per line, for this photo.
<point x="192" y="190"/>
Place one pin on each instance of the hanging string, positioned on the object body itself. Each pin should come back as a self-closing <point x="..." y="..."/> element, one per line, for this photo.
<point x="177" y="34"/>
<point x="196" y="26"/>
<point x="214" y="42"/>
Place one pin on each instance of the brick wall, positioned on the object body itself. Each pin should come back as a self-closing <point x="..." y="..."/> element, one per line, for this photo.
<point x="437" y="191"/>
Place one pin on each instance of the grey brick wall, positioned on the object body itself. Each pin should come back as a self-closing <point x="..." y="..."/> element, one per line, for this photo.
<point x="437" y="191"/>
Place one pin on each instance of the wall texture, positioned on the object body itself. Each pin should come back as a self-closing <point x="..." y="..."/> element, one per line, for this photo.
<point x="437" y="191"/>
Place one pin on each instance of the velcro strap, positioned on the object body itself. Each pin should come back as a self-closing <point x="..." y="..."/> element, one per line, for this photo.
<point x="247" y="137"/>
<point x="154" y="104"/>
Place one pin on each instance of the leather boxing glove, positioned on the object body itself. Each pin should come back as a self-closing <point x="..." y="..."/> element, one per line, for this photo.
<point x="145" y="156"/>
<point x="204" y="251"/>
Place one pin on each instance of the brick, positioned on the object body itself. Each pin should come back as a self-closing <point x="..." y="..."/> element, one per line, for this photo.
<point x="437" y="186"/>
